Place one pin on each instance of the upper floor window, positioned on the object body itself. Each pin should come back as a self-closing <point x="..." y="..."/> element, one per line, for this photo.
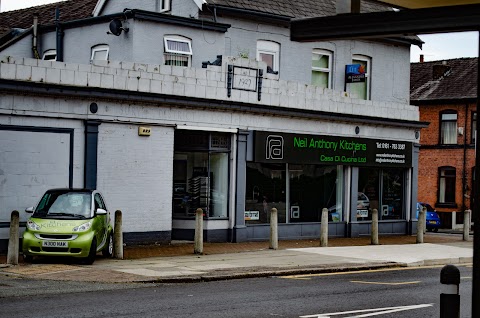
<point x="322" y="68"/>
<point x="446" y="184"/>
<point x="164" y="5"/>
<point x="474" y="127"/>
<point x="178" y="51"/>
<point x="362" y="89"/>
<point x="269" y="52"/>
<point x="448" y="127"/>
<point x="50" y="55"/>
<point x="99" y="52"/>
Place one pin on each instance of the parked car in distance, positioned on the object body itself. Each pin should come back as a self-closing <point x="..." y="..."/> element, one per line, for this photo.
<point x="69" y="222"/>
<point x="433" y="220"/>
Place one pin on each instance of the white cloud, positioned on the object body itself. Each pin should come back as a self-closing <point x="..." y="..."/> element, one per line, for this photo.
<point x="8" y="5"/>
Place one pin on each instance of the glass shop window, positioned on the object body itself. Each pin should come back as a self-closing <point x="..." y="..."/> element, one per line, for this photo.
<point x="382" y="190"/>
<point x="265" y="190"/>
<point x="312" y="188"/>
<point x="201" y="173"/>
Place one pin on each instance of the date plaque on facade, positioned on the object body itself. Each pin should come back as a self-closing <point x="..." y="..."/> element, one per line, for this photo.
<point x="245" y="78"/>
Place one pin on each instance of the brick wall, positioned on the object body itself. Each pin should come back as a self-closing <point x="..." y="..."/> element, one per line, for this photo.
<point x="135" y="173"/>
<point x="435" y="155"/>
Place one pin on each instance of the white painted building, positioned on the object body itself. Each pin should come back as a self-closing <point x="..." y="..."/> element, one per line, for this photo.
<point x="160" y="132"/>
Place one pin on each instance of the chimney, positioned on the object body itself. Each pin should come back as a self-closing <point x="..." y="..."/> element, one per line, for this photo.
<point x="440" y="70"/>
<point x="422" y="58"/>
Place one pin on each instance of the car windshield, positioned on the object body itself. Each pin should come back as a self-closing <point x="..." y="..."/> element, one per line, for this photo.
<point x="64" y="204"/>
<point x="428" y="206"/>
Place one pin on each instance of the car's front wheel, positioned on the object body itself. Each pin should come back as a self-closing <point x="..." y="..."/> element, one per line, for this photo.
<point x="435" y="229"/>
<point x="27" y="258"/>
<point x="108" y="250"/>
<point x="91" y="254"/>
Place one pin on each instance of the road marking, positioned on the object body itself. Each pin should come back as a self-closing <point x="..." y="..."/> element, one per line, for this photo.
<point x="381" y="283"/>
<point x="369" y="312"/>
<point x="306" y="276"/>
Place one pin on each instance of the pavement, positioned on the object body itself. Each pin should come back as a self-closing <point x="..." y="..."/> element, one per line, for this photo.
<point x="176" y="262"/>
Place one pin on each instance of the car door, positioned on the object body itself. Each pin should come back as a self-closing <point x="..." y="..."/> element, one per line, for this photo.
<point x="101" y="230"/>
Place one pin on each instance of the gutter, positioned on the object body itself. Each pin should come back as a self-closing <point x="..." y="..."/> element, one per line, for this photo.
<point x="266" y="17"/>
<point x="144" y="15"/>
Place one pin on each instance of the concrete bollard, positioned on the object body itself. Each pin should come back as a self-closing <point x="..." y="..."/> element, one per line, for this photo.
<point x="13" y="244"/>
<point x="450" y="299"/>
<point x="118" y="236"/>
<point x="374" y="232"/>
<point x="421" y="224"/>
<point x="466" y="225"/>
<point x="198" y="244"/>
<point x="273" y="229"/>
<point x="324" y="228"/>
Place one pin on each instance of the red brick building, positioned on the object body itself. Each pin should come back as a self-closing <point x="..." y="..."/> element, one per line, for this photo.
<point x="445" y="92"/>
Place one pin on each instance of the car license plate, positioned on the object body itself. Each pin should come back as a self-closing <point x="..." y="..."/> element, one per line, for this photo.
<point x="54" y="244"/>
<point x="432" y="222"/>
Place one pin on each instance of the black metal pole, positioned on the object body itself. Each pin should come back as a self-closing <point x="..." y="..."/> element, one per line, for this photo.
<point x="476" y="212"/>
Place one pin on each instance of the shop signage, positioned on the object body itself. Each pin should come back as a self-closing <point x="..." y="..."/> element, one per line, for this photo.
<point x="252" y="215"/>
<point x="354" y="73"/>
<point x="331" y="150"/>
<point x="362" y="213"/>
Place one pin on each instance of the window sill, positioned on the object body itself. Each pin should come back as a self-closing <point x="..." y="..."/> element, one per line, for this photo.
<point x="446" y="205"/>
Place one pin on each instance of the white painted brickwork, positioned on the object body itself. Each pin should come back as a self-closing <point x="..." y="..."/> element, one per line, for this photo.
<point x="134" y="173"/>
<point x="201" y="83"/>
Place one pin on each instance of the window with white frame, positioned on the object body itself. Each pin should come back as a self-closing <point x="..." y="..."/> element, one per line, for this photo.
<point x="362" y="89"/>
<point x="50" y="55"/>
<point x="269" y="52"/>
<point x="164" y="5"/>
<point x="322" y="68"/>
<point x="448" y="127"/>
<point x="99" y="52"/>
<point x="178" y="50"/>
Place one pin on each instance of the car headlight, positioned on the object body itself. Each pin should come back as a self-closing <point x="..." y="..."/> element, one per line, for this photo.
<point x="82" y="228"/>
<point x="32" y="226"/>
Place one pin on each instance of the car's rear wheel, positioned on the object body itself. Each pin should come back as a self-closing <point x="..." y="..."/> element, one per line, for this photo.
<point x="435" y="229"/>
<point x="91" y="254"/>
<point x="108" y="250"/>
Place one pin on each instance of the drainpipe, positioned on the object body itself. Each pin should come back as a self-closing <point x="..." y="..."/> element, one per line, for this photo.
<point x="35" y="37"/>
<point x="60" y="35"/>
<point x="464" y="176"/>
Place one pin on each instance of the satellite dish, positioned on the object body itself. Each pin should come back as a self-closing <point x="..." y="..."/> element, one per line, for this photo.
<point x="116" y="27"/>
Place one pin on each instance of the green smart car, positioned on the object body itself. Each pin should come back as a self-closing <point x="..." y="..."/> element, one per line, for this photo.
<point x="69" y="222"/>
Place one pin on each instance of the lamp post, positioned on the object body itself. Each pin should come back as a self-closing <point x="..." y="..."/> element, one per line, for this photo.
<point x="476" y="214"/>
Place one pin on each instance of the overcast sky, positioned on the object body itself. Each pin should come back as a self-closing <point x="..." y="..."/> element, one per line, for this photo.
<point x="436" y="47"/>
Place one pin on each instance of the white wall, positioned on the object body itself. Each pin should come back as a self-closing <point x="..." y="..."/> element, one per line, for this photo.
<point x="135" y="175"/>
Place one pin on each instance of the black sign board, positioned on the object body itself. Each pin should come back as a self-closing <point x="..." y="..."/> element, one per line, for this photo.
<point x="274" y="147"/>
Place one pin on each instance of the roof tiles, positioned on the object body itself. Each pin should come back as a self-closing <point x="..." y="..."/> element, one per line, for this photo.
<point x="69" y="10"/>
<point x="444" y="80"/>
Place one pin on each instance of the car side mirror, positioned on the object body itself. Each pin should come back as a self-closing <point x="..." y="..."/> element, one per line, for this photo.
<point x="29" y="210"/>
<point x="101" y="212"/>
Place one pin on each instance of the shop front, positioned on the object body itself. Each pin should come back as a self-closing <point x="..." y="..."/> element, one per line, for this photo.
<point x="201" y="174"/>
<point x="301" y="174"/>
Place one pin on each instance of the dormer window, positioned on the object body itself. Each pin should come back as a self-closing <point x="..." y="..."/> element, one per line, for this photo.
<point x="99" y="52"/>
<point x="50" y="55"/>
<point x="178" y="50"/>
